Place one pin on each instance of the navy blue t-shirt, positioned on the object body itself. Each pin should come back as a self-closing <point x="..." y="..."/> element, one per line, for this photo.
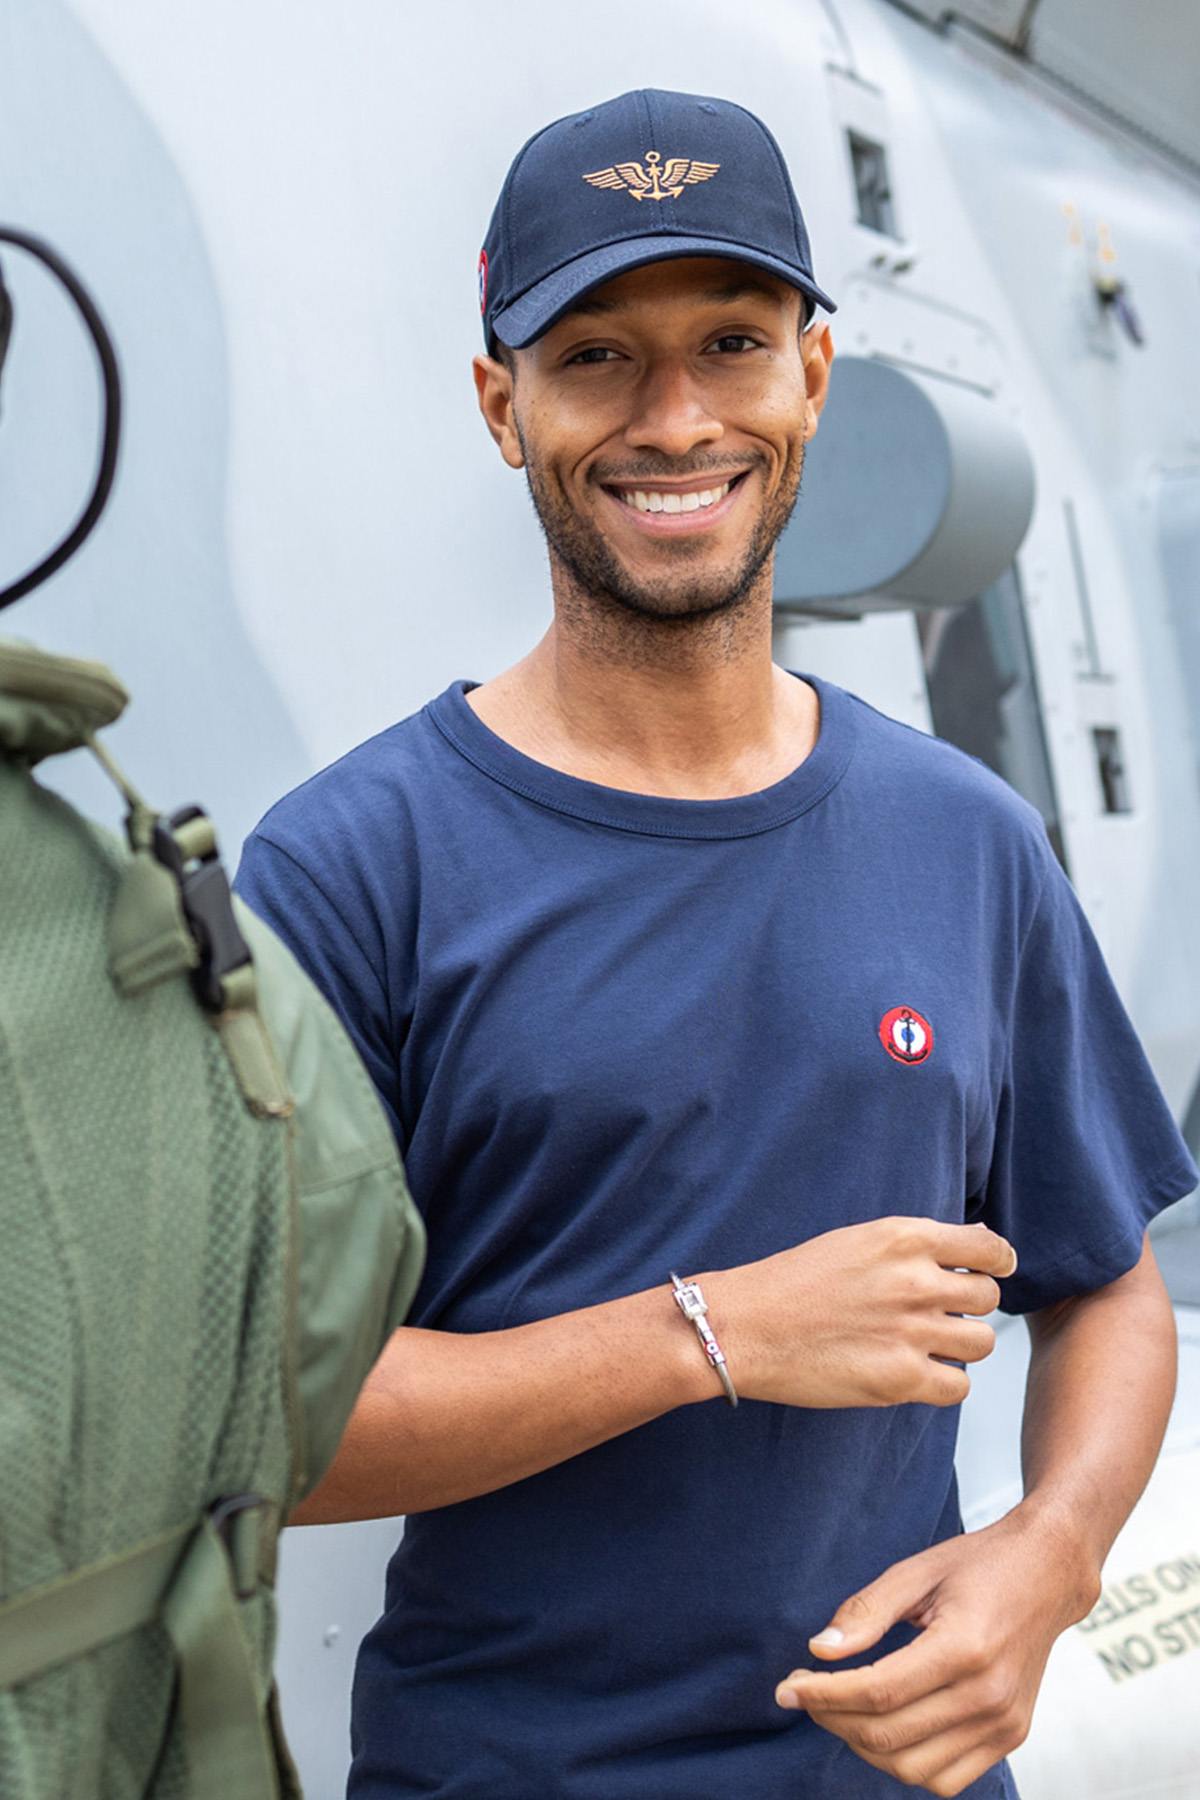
<point x="620" y="1034"/>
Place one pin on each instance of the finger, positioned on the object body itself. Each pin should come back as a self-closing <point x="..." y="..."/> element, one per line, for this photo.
<point x="883" y="1734"/>
<point x="974" y="1247"/>
<point x="964" y="1340"/>
<point x="941" y="1384"/>
<point x="905" y="1590"/>
<point x="919" y="1670"/>
<point x="862" y="1619"/>
<point x="974" y="1294"/>
<point x="945" y="1764"/>
<point x="959" y="1775"/>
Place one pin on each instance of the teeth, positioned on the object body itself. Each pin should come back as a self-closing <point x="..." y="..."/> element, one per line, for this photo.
<point x="657" y="500"/>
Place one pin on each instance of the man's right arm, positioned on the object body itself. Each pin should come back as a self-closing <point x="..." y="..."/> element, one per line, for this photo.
<point x="869" y="1315"/>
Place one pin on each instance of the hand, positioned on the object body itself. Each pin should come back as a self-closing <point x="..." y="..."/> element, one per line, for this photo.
<point x="940" y="1712"/>
<point x="862" y="1316"/>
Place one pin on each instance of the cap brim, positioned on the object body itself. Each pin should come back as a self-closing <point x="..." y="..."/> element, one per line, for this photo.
<point x="525" y="319"/>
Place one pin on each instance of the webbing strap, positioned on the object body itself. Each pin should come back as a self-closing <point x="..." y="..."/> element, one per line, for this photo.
<point x="227" y="1740"/>
<point x="186" y="1579"/>
<point x="67" y="1618"/>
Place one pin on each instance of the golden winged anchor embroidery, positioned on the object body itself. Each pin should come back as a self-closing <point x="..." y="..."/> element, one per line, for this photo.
<point x="665" y="183"/>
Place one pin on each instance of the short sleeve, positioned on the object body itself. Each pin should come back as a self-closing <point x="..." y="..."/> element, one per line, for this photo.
<point x="293" y="903"/>
<point x="362" y="1242"/>
<point x="1085" y="1151"/>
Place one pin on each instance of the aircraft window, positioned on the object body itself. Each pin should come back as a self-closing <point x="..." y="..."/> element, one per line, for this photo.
<point x="983" y="693"/>
<point x="872" y="184"/>
<point x="1110" y="764"/>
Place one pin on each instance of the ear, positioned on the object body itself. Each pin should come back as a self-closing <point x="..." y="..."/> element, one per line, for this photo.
<point x="494" y="387"/>
<point x="816" y="347"/>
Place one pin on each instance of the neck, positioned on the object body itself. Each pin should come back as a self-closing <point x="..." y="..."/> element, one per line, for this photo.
<point x="691" y="708"/>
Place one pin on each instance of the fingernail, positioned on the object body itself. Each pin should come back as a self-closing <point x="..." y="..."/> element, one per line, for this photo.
<point x="785" y="1696"/>
<point x="829" y="1637"/>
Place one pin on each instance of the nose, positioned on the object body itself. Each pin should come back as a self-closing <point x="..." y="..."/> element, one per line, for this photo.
<point x="671" y="413"/>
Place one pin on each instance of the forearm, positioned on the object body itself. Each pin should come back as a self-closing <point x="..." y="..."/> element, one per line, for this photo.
<point x="446" y="1416"/>
<point x="873" y="1314"/>
<point x="1101" y="1382"/>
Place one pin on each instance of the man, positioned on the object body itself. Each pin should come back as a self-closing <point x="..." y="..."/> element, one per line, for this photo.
<point x="621" y="939"/>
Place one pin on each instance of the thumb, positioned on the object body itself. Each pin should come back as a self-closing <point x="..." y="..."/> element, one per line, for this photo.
<point x="901" y="1592"/>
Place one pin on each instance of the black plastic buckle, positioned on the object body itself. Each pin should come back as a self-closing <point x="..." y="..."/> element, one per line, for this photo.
<point x="221" y="1515"/>
<point x="208" y="908"/>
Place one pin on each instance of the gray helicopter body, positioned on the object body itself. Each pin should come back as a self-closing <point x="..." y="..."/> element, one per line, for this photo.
<point x="280" y="211"/>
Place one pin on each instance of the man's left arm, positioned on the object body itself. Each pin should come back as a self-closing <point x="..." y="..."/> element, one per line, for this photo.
<point x="941" y="1711"/>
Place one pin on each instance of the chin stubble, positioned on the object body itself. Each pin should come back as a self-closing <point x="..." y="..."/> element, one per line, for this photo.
<point x="673" y="603"/>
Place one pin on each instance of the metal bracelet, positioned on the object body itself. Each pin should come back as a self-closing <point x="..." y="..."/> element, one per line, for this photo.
<point x="692" y="1304"/>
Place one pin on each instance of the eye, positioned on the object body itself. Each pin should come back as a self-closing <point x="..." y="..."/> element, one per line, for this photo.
<point x="595" y="354"/>
<point x="735" y="344"/>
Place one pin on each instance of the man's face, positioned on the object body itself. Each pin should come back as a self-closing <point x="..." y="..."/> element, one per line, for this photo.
<point x="662" y="426"/>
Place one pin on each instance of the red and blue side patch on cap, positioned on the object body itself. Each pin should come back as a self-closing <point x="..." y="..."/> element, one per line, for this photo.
<point x="483" y="275"/>
<point x="906" y="1035"/>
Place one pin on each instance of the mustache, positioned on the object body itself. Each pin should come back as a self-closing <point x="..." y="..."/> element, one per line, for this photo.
<point x="658" y="468"/>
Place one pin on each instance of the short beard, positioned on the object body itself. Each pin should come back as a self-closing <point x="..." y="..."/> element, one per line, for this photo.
<point x="596" y="575"/>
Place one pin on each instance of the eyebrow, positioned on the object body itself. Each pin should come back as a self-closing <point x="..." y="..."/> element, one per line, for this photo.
<point x="739" y="288"/>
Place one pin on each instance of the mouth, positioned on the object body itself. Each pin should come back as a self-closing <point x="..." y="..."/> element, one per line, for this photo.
<point x="669" y="508"/>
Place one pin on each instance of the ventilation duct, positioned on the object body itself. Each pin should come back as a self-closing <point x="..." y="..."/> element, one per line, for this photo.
<point x="917" y="492"/>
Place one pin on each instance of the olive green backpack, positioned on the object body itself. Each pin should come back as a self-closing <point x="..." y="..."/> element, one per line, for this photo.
<point x="206" y="1240"/>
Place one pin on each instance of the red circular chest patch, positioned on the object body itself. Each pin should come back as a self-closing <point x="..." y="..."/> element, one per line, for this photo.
<point x="906" y="1035"/>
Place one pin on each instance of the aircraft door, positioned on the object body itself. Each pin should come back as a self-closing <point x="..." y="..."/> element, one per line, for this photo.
<point x="983" y="692"/>
<point x="1179" y="554"/>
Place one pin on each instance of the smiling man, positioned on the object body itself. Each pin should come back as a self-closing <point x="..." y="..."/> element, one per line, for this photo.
<point x="618" y="937"/>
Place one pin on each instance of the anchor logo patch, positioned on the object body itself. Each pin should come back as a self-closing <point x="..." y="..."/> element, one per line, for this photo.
<point x="906" y="1035"/>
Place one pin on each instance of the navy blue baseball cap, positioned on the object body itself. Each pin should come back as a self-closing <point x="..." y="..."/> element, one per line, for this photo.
<point x="643" y="178"/>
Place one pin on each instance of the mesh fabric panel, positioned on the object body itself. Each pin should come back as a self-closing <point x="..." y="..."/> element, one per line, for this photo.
<point x="142" y="1295"/>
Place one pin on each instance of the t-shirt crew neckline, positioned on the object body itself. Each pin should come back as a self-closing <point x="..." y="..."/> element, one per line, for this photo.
<point x="653" y="814"/>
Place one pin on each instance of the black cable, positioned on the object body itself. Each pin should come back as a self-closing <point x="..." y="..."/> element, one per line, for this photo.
<point x="102" y="486"/>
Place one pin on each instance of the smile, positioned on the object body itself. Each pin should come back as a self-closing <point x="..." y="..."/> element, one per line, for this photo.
<point x="665" y="500"/>
<point x="673" y="509"/>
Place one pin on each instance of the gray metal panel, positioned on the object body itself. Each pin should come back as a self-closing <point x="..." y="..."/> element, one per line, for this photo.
<point x="1140" y="63"/>
<point x="153" y="591"/>
<point x="1143" y="62"/>
<point x="1179" y="549"/>
<point x="1003" y="18"/>
<point x="917" y="492"/>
